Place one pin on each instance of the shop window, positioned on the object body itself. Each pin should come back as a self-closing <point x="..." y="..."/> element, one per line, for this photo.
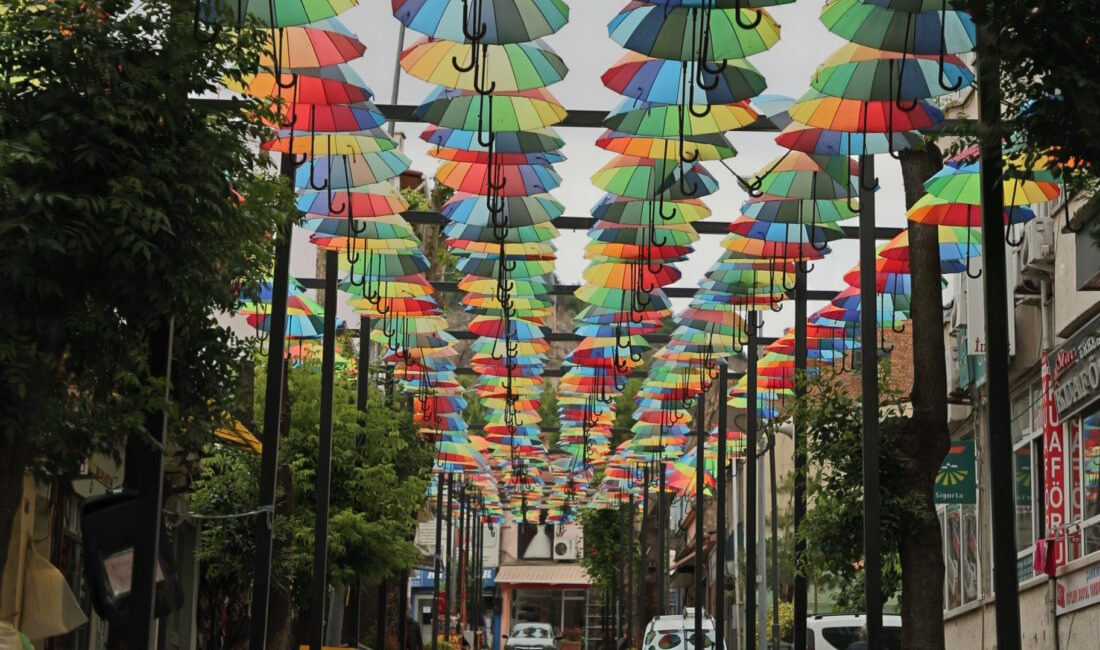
<point x="1027" y="436"/>
<point x="961" y="567"/>
<point x="1084" y="471"/>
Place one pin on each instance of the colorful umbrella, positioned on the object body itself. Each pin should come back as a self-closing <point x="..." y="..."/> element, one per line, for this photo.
<point x="501" y="21"/>
<point x="511" y="67"/>
<point x="528" y="141"/>
<point x="502" y="111"/>
<point x="674" y="33"/>
<point x="859" y="72"/>
<point x="670" y="120"/>
<point x="668" y="82"/>
<point x="884" y="28"/>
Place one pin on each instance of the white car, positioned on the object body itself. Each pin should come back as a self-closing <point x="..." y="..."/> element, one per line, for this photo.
<point x="838" y="631"/>
<point x="677" y="632"/>
<point x="532" y="636"/>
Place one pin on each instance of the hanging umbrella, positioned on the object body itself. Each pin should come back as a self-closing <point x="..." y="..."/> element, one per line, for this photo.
<point x="782" y="248"/>
<point x="622" y="276"/>
<point x="858" y="72"/>
<point x="488" y="266"/>
<point x="962" y="184"/>
<point x="514" y="180"/>
<point x="860" y="116"/>
<point x="390" y="227"/>
<point x="884" y="28"/>
<point x="330" y="144"/>
<point x="673" y="33"/>
<point x="647" y="178"/>
<point x="957" y="245"/>
<point x="283" y="13"/>
<point x="516" y="210"/>
<point x="320" y="44"/>
<point x="328" y="85"/>
<point x="670" y="120"/>
<point x="638" y="212"/>
<point x="930" y="209"/>
<point x="327" y="118"/>
<point x="502" y="21"/>
<point x="713" y="146"/>
<point x="658" y="235"/>
<point x="528" y="141"/>
<point x="483" y="157"/>
<point x="787" y="232"/>
<point x="501" y="111"/>
<point x="511" y="67"/>
<point x="662" y="81"/>
<point x="816" y="140"/>
<point x="515" y="234"/>
<point x="342" y="172"/>
<point x="809" y="211"/>
<point x="380" y="199"/>
<point x="799" y="175"/>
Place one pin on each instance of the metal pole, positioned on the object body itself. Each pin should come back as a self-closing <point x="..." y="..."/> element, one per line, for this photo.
<point x="438" y="560"/>
<point x="324" y="459"/>
<point x="761" y="558"/>
<point x="868" y="299"/>
<point x="775" y="539"/>
<point x="397" y="71"/>
<point x="633" y="567"/>
<point x="148" y="479"/>
<point x="700" y="513"/>
<point x="403" y="607"/>
<point x="662" y="533"/>
<point x="800" y="354"/>
<point x="645" y="547"/>
<point x="264" y="533"/>
<point x="720" y="507"/>
<point x="737" y="611"/>
<point x="750" y="488"/>
<point x="449" y="564"/>
<point x="383" y="596"/>
<point x="362" y="383"/>
<point x="622" y="595"/>
<point x="999" y="440"/>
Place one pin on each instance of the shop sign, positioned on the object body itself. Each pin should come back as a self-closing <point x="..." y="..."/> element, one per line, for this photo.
<point x="424" y="578"/>
<point x="1078" y="589"/>
<point x="955" y="481"/>
<point x="1054" y="466"/>
<point x="1074" y="368"/>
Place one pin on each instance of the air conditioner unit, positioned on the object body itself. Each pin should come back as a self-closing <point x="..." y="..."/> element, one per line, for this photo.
<point x="565" y="550"/>
<point x="1039" y="245"/>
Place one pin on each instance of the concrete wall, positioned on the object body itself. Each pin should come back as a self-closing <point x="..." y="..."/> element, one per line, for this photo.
<point x="1080" y="629"/>
<point x="974" y="628"/>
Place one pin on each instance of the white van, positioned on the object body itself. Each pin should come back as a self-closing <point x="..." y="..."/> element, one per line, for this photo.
<point x="838" y="631"/>
<point x="677" y="632"/>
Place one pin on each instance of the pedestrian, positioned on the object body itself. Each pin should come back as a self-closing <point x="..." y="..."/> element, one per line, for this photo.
<point x="861" y="644"/>
<point x="413" y="638"/>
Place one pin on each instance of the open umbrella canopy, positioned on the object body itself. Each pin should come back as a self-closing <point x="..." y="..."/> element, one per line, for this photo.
<point x="622" y="276"/>
<point x="648" y="178"/>
<point x="930" y="209"/>
<point x="662" y="81"/>
<point x="782" y="248"/>
<point x="637" y="212"/>
<point x="670" y="120"/>
<point x="526" y="142"/>
<point x="514" y="180"/>
<point x="340" y="143"/>
<point x="342" y="172"/>
<point x="785" y="232"/>
<point x="483" y="157"/>
<point x="327" y="117"/>
<point x="503" y="21"/>
<point x="659" y="234"/>
<point x="383" y="264"/>
<point x="816" y="140"/>
<point x="510" y="67"/>
<point x="957" y="245"/>
<point x="502" y="111"/>
<point x="327" y="85"/>
<point x="516" y="211"/>
<point x="858" y="72"/>
<point x="712" y="146"/>
<point x="962" y="184"/>
<point x="667" y="32"/>
<point x="322" y="43"/>
<point x="862" y="116"/>
<point x="795" y="210"/>
<point x="515" y="235"/>
<point x="798" y="175"/>
<point x="284" y="13"/>
<point x="885" y="28"/>
<point x="377" y="200"/>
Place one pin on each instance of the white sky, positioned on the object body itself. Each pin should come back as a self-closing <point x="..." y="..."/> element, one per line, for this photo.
<point x="588" y="51"/>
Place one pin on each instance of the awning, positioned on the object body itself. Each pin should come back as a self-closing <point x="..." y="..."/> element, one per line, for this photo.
<point x="572" y="575"/>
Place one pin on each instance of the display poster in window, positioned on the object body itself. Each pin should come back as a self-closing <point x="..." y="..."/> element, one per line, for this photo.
<point x="1074" y="369"/>
<point x="955" y="481"/>
<point x="1054" y="469"/>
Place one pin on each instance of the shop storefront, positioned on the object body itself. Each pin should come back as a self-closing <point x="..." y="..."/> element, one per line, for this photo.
<point x="544" y="593"/>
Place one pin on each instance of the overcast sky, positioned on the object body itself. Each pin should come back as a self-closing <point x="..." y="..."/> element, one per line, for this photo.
<point x="589" y="52"/>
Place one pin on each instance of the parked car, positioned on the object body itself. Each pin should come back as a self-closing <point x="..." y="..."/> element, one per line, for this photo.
<point x="677" y="632"/>
<point x="838" y="631"/>
<point x="532" y="636"/>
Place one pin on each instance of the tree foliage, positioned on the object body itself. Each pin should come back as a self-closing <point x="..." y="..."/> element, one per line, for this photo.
<point x="603" y="546"/>
<point x="379" y="480"/>
<point x="124" y="204"/>
<point x="833" y="525"/>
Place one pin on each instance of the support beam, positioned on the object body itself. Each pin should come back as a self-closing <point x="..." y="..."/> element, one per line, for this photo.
<point x="751" y="412"/>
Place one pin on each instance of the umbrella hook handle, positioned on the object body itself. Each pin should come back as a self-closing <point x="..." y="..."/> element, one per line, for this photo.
<point x="473" y="17"/>
<point x="972" y="276"/>
<point x="277" y="64"/>
<point x="949" y="87"/>
<point x="813" y="224"/>
<point x="661" y="208"/>
<point x="685" y="188"/>
<point x="1008" y="227"/>
<point x="203" y="10"/>
<point x="756" y="20"/>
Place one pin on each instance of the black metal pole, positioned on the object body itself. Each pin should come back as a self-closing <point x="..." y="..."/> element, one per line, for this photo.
<point x="362" y="386"/>
<point x="662" y="534"/>
<point x="448" y="566"/>
<point x="621" y="599"/>
<point x="148" y="479"/>
<point x="403" y="606"/>
<point x="642" y="618"/>
<point x="750" y="487"/>
<point x="380" y="631"/>
<point x="775" y="537"/>
<point x="354" y="604"/>
<point x="362" y="383"/>
<point x="479" y="566"/>
<point x="319" y="587"/>
<point x="633" y="564"/>
<point x="720" y="506"/>
<point x="700" y="513"/>
<point x="800" y="354"/>
<point x="438" y="560"/>
<point x="868" y="299"/>
<point x="264" y="533"/>
<point x="999" y="440"/>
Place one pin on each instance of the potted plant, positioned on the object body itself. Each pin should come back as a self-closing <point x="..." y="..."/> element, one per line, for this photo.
<point x="571" y="638"/>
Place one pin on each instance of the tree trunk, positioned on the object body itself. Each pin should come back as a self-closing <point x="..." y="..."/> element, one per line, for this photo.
<point x="926" y="438"/>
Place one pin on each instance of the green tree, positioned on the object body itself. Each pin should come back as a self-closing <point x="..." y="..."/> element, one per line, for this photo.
<point x="833" y="526"/>
<point x="379" y="478"/>
<point x="603" y="547"/>
<point x="124" y="205"/>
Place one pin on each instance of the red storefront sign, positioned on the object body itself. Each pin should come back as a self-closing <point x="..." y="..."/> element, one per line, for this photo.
<point x="1054" y="468"/>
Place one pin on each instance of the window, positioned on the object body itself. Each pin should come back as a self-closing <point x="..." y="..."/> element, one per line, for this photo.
<point x="1084" y="478"/>
<point x="1027" y="438"/>
<point x="960" y="539"/>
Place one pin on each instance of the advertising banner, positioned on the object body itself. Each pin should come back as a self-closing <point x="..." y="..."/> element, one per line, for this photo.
<point x="1054" y="467"/>
<point x="955" y="482"/>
